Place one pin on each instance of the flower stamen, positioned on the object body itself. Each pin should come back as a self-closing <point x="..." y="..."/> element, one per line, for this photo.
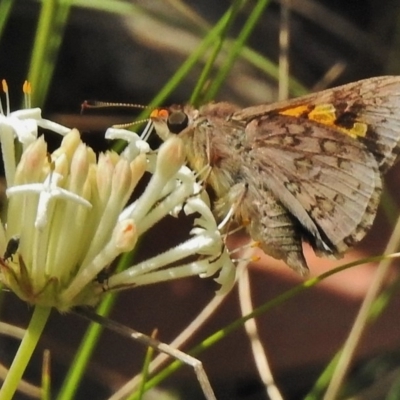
<point x="5" y="90"/>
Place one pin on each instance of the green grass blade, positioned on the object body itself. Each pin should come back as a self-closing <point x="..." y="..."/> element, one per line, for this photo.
<point x="5" y="11"/>
<point x="46" y="376"/>
<point x="219" y="41"/>
<point x="236" y="49"/>
<point x="49" y="35"/>
<point x="145" y="372"/>
<point x="85" y="351"/>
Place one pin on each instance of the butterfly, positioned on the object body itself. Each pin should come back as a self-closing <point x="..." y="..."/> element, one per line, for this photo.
<point x="304" y="170"/>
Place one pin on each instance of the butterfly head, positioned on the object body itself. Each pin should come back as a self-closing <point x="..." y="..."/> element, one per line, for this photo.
<point x="172" y="120"/>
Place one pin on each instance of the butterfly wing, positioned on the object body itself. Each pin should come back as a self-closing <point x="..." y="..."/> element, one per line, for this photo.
<point x="324" y="155"/>
<point x="367" y="110"/>
<point x="328" y="181"/>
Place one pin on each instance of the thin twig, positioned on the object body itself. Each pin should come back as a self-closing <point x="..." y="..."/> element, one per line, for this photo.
<point x="360" y="322"/>
<point x="184" y="336"/>
<point x="178" y="342"/>
<point x="156" y="344"/>
<point x="330" y="76"/>
<point x="284" y="36"/>
<point x="259" y="354"/>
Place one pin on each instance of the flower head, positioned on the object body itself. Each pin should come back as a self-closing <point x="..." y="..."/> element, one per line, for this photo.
<point x="68" y="216"/>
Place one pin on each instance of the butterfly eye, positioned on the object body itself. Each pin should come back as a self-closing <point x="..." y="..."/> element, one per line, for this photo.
<point x="177" y="121"/>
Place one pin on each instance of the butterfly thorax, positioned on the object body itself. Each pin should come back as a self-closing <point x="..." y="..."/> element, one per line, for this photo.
<point x="215" y="140"/>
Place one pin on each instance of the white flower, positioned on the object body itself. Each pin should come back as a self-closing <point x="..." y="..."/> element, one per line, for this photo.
<point x="22" y="125"/>
<point x="67" y="216"/>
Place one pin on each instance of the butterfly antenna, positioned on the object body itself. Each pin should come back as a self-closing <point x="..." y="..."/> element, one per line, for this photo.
<point x="106" y="104"/>
<point x="146" y="131"/>
<point x="90" y="104"/>
<point x="130" y="124"/>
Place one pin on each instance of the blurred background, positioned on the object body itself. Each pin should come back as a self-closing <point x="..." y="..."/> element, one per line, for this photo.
<point x="126" y="51"/>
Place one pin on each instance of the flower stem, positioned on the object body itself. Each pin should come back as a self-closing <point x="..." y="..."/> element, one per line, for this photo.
<point x="24" y="353"/>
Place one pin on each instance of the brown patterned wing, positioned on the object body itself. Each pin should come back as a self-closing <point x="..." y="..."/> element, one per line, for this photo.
<point x="328" y="181"/>
<point x="367" y="110"/>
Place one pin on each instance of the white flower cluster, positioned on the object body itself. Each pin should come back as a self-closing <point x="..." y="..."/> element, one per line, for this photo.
<point x="67" y="218"/>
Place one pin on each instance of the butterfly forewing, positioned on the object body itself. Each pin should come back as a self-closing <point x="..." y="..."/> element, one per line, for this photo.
<point x="374" y="102"/>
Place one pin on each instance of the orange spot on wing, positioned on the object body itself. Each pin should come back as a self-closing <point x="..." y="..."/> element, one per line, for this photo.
<point x="299" y="111"/>
<point x="326" y="114"/>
